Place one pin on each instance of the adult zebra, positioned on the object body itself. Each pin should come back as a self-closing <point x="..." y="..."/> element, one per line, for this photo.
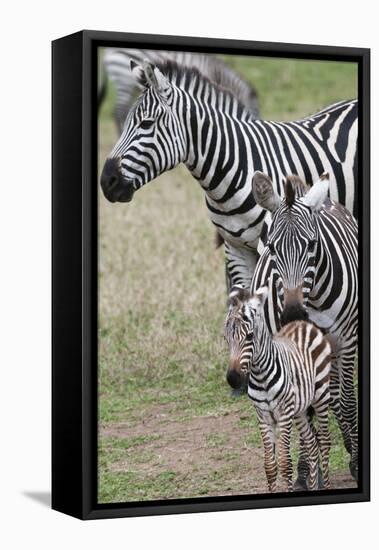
<point x="311" y="259"/>
<point x="183" y="117"/>
<point x="116" y="67"/>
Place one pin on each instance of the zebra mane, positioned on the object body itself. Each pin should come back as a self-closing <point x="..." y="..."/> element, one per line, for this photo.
<point x="294" y="188"/>
<point x="185" y="76"/>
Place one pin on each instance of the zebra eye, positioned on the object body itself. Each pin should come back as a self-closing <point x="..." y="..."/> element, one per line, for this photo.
<point x="146" y="124"/>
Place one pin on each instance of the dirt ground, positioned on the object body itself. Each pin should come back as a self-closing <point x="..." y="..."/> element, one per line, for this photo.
<point x="196" y="446"/>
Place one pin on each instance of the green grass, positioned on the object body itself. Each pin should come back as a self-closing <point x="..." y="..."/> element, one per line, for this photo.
<point x="168" y="426"/>
<point x="290" y="89"/>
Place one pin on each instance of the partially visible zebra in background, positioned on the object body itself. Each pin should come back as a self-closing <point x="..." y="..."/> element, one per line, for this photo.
<point x="287" y="373"/>
<point x="116" y="67"/>
<point x="182" y="116"/>
<point x="311" y="257"/>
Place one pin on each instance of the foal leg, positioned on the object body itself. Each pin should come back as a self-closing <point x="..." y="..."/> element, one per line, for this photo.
<point x="310" y="442"/>
<point x="324" y="443"/>
<point x="284" y="458"/>
<point x="268" y="438"/>
<point x="302" y="468"/>
<point x="303" y="464"/>
<point x="321" y="407"/>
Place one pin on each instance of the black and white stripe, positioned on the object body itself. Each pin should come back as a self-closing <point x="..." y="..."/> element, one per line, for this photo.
<point x="288" y="373"/>
<point x="116" y="67"/>
<point x="183" y="117"/>
<point x="311" y="260"/>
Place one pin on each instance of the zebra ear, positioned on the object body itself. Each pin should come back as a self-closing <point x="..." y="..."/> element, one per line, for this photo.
<point x="264" y="193"/>
<point x="156" y="78"/>
<point x="149" y="70"/>
<point x="318" y="193"/>
<point x="138" y="74"/>
<point x="149" y="76"/>
<point x="238" y="295"/>
<point x="162" y="82"/>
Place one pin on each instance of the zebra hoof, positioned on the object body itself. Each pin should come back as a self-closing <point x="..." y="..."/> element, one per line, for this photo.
<point x="300" y="484"/>
<point x="353" y="470"/>
<point x="320" y="481"/>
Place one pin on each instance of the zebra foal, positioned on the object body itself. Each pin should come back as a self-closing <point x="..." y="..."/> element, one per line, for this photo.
<point x="287" y="373"/>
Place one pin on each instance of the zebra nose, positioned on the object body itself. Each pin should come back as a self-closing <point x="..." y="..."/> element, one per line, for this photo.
<point x="293" y="309"/>
<point x="234" y="378"/>
<point x="110" y="177"/>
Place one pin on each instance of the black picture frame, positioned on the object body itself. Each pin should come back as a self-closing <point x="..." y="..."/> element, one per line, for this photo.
<point x="74" y="273"/>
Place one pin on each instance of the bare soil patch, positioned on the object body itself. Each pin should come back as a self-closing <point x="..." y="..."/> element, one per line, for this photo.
<point x="211" y="449"/>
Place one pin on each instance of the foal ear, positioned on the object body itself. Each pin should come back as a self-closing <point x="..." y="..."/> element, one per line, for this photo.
<point x="258" y="299"/>
<point x="264" y="193"/>
<point x="238" y="295"/>
<point x="261" y="295"/>
<point x="318" y="193"/>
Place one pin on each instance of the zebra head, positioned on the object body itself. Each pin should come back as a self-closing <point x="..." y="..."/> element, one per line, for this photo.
<point x="152" y="140"/>
<point x="242" y="331"/>
<point x="293" y="239"/>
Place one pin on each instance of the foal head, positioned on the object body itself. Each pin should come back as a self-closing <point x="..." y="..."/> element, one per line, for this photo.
<point x="242" y="331"/>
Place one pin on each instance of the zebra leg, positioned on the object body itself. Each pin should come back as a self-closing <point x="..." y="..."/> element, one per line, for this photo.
<point x="303" y="464"/>
<point x="310" y="442"/>
<point x="284" y="458"/>
<point x="241" y="264"/>
<point x="335" y="405"/>
<point x="349" y="407"/>
<point x="118" y="118"/>
<point x="228" y="277"/>
<point x="270" y="466"/>
<point x="324" y="443"/>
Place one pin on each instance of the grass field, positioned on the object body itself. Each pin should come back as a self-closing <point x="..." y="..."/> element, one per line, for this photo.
<point x="168" y="426"/>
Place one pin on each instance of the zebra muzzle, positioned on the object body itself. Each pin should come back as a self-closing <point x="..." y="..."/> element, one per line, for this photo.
<point x="234" y="376"/>
<point x="293" y="309"/>
<point x="116" y="188"/>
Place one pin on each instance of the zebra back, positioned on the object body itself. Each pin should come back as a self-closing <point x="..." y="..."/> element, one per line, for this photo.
<point x="311" y="351"/>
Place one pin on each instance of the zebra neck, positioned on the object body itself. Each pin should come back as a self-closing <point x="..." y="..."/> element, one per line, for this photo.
<point x="216" y="146"/>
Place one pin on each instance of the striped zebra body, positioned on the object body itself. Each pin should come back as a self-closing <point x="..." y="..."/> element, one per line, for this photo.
<point x="288" y="373"/>
<point x="116" y="65"/>
<point x="311" y="261"/>
<point x="183" y="117"/>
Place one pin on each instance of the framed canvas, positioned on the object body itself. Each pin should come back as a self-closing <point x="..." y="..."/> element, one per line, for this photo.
<point x="210" y="338"/>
